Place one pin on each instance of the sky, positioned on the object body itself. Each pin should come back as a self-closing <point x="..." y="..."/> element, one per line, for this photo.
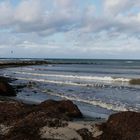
<point x="92" y="29"/>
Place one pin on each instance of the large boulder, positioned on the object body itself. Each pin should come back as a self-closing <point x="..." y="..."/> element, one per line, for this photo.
<point x="122" y="126"/>
<point x="10" y="111"/>
<point x="6" y="89"/>
<point x="23" y="121"/>
<point x="64" y="107"/>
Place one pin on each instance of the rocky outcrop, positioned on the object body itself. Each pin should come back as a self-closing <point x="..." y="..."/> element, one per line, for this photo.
<point x="122" y="126"/>
<point x="51" y="120"/>
<point x="6" y="89"/>
<point x="13" y="110"/>
<point x="24" y="121"/>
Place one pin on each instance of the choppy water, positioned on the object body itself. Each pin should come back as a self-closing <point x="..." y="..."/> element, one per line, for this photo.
<point x="98" y="87"/>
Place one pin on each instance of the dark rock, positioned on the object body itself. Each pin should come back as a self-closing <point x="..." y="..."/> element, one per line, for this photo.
<point x="31" y="84"/>
<point x="6" y="79"/>
<point x="10" y="111"/>
<point x="26" y="128"/>
<point x="122" y="126"/>
<point x="26" y="120"/>
<point x="85" y="134"/>
<point x="65" y="107"/>
<point x="21" y="86"/>
<point x="6" y="89"/>
<point x="55" y="123"/>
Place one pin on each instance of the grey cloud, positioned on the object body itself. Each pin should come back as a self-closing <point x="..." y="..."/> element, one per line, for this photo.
<point x="28" y="24"/>
<point x="115" y="7"/>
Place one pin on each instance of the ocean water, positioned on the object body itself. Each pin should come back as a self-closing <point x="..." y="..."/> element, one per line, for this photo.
<point x="98" y="87"/>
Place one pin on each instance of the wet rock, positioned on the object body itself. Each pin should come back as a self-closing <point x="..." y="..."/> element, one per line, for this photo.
<point x="6" y="89"/>
<point x="6" y="79"/>
<point x="20" y="87"/>
<point x="122" y="126"/>
<point x="31" y="84"/>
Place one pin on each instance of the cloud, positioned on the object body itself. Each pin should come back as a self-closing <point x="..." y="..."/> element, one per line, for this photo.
<point x="28" y="11"/>
<point x="33" y="16"/>
<point x="115" y="7"/>
<point x="65" y="15"/>
<point x="6" y="14"/>
<point x="75" y="23"/>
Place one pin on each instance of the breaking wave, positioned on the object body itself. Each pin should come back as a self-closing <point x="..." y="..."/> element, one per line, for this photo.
<point x="97" y="78"/>
<point x="109" y="106"/>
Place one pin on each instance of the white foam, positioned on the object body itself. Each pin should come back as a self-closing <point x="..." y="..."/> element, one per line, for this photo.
<point x="105" y="78"/>
<point x="97" y="85"/>
<point x="109" y="106"/>
<point x="51" y="81"/>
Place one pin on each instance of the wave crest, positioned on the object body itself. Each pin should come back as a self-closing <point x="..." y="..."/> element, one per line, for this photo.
<point x="109" y="106"/>
<point x="97" y="78"/>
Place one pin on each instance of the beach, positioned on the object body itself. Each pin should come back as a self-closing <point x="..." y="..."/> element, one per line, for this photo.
<point x="98" y="87"/>
<point x="53" y="109"/>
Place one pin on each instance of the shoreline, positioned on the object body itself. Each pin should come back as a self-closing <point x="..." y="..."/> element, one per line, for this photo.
<point x="62" y="120"/>
<point x="47" y="121"/>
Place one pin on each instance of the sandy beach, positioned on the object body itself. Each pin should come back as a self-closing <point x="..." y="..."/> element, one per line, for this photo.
<point x="69" y="69"/>
<point x="61" y="120"/>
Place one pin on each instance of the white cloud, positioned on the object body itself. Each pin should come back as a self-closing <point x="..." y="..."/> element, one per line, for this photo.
<point x="6" y="14"/>
<point x="114" y="7"/>
<point x="28" y="11"/>
<point x="34" y="21"/>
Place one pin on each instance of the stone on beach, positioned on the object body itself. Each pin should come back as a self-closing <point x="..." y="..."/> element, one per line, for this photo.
<point x="6" y="89"/>
<point x="26" y="120"/>
<point x="51" y="119"/>
<point x="122" y="126"/>
<point x="65" y="107"/>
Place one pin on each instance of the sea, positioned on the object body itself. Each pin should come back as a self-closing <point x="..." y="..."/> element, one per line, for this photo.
<point x="98" y="87"/>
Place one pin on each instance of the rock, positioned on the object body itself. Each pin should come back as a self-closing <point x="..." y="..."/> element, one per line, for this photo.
<point x="26" y="129"/>
<point x="6" y="89"/>
<point x="21" y="121"/>
<point x="85" y="134"/>
<point x="13" y="111"/>
<point x="19" y="87"/>
<point x="25" y="121"/>
<point x="122" y="126"/>
<point x="6" y="79"/>
<point x="10" y="111"/>
<point x="64" y="107"/>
